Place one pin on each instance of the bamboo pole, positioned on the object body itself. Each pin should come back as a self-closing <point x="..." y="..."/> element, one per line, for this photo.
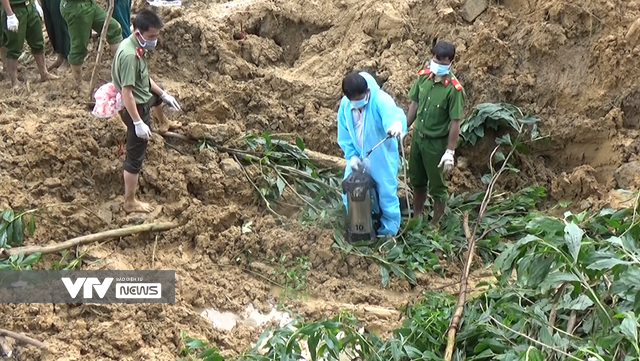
<point x="103" y="36"/>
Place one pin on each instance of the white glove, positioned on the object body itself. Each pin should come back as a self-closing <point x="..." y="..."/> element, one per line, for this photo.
<point x="355" y="163"/>
<point x="395" y="130"/>
<point x="12" y="23"/>
<point x="447" y="160"/>
<point x="39" y="10"/>
<point x="171" y="101"/>
<point x="142" y="130"/>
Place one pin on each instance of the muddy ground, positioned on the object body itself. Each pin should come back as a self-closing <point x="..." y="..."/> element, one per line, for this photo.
<point x="572" y="65"/>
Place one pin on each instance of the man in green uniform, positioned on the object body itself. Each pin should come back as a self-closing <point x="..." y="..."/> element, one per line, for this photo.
<point x="81" y="17"/>
<point x="21" y="22"/>
<point x="57" y="31"/>
<point x="437" y="102"/>
<point x="130" y="73"/>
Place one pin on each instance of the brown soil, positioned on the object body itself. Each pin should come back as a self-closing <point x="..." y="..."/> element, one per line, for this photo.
<point x="567" y="63"/>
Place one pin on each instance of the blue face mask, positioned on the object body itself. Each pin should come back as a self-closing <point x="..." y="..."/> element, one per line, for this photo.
<point x="439" y="69"/>
<point x="360" y="103"/>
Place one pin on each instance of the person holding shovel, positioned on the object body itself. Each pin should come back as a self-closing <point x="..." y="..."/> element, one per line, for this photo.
<point x="21" y="22"/>
<point x="81" y="17"/>
<point x="140" y="94"/>
<point x="437" y="103"/>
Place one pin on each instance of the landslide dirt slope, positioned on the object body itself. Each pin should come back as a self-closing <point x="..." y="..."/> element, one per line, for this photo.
<point x="568" y="63"/>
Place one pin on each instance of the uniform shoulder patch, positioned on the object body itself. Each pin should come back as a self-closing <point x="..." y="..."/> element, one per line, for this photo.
<point x="456" y="84"/>
<point x="425" y="71"/>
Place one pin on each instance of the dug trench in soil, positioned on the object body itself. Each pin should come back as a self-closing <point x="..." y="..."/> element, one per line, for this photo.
<point x="568" y="64"/>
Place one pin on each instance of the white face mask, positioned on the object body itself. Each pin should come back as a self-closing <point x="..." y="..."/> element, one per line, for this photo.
<point x="147" y="44"/>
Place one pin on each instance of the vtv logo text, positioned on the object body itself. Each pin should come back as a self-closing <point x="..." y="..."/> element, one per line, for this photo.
<point x="86" y="284"/>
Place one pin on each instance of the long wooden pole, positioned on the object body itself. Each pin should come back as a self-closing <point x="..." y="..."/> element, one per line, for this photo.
<point x="22" y="338"/>
<point x="91" y="238"/>
<point x="103" y="36"/>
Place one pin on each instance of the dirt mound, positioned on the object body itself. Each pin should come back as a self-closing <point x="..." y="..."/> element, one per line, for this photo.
<point x="567" y="63"/>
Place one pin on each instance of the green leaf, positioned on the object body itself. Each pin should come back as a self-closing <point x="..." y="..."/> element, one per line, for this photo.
<point x="629" y="327"/>
<point x="312" y="343"/>
<point x="384" y="274"/>
<point x="18" y="231"/>
<point x="607" y="263"/>
<point x="33" y="258"/>
<point x="280" y="184"/>
<point x="194" y="343"/>
<point x="554" y="280"/>
<point x="573" y="237"/>
<point x="300" y="143"/>
<point x="412" y="352"/>
<point x="211" y="354"/>
<point x="32" y="225"/>
<point x="533" y="354"/>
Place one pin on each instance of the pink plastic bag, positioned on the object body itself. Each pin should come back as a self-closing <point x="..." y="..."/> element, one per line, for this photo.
<point x="108" y="101"/>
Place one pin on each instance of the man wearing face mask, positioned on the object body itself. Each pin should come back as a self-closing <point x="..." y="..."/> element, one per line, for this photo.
<point x="366" y="115"/>
<point x="437" y="102"/>
<point x="81" y="17"/>
<point x="140" y="94"/>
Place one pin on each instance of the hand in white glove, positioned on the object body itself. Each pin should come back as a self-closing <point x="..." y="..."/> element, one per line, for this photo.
<point x="395" y="130"/>
<point x="447" y="160"/>
<point x="170" y="100"/>
<point x="39" y="10"/>
<point x="355" y="163"/>
<point x="12" y="23"/>
<point x="142" y="130"/>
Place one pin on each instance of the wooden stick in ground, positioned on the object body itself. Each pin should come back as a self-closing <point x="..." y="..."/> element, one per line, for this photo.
<point x="91" y="238"/>
<point x="462" y="295"/>
<point x="22" y="338"/>
<point x="103" y="36"/>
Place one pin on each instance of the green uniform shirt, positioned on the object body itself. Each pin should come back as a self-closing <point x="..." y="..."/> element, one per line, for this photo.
<point x="438" y="103"/>
<point x="129" y="70"/>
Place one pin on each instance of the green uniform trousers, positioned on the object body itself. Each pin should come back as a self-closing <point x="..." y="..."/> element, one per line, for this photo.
<point x="56" y="27"/>
<point x="82" y="16"/>
<point x="122" y="14"/>
<point x="424" y="158"/>
<point x="29" y="29"/>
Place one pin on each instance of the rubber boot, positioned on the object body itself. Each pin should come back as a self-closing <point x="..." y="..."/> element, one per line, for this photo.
<point x="438" y="212"/>
<point x="419" y="197"/>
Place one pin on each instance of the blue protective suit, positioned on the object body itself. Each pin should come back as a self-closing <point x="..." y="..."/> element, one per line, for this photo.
<point x="380" y="112"/>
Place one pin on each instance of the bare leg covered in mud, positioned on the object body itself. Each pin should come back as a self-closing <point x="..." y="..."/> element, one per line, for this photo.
<point x="42" y="69"/>
<point x="131" y="203"/>
<point x="164" y="124"/>
<point x="60" y="63"/>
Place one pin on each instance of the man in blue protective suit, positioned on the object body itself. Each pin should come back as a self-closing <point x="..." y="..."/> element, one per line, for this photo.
<point x="366" y="115"/>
